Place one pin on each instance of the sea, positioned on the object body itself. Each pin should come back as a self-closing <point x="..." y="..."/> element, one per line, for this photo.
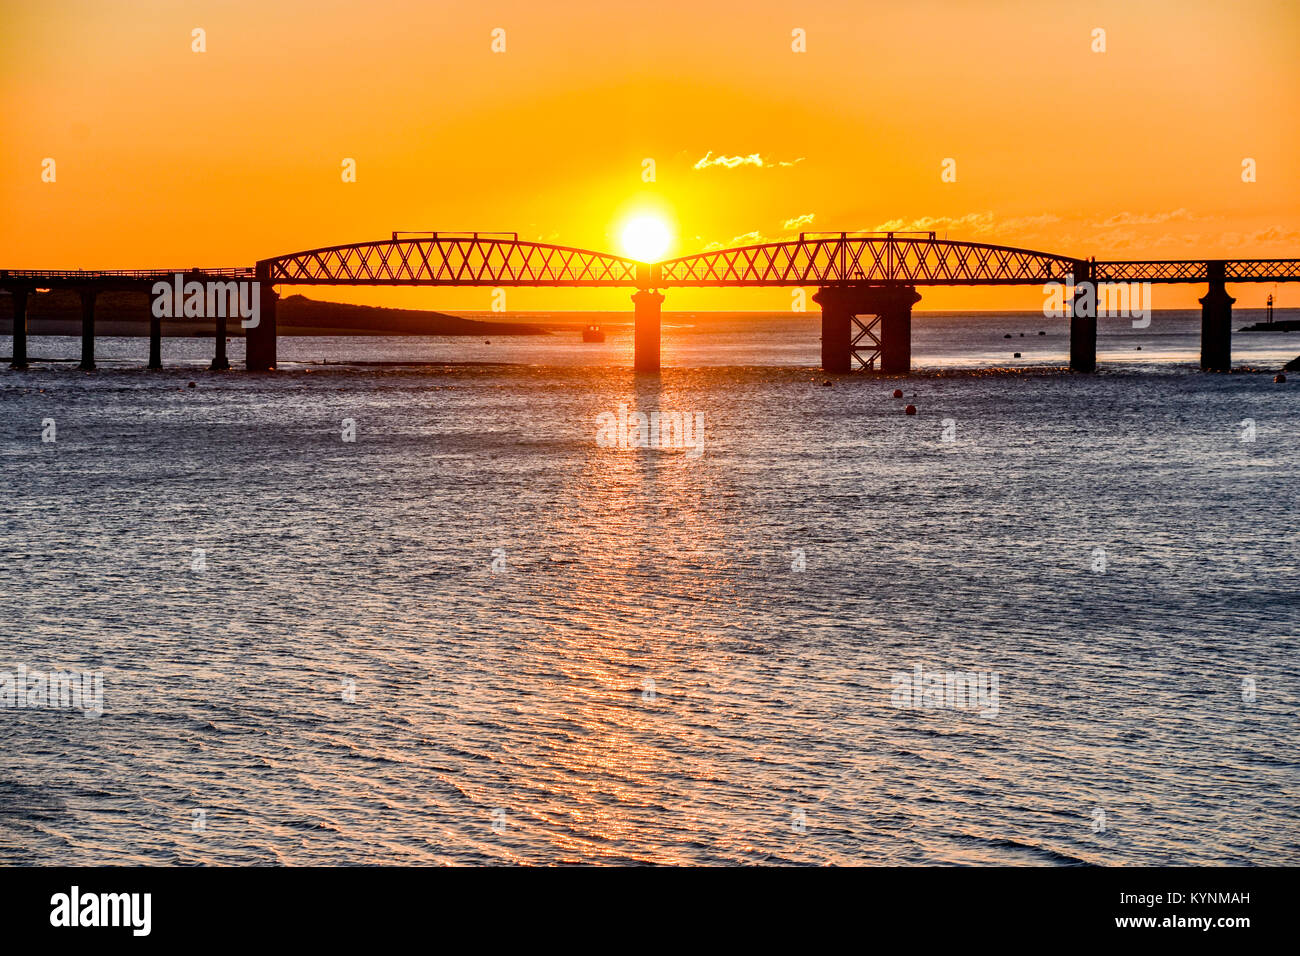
<point x="435" y="601"/>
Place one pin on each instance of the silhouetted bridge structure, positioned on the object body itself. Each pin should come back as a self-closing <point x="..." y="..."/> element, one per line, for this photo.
<point x="867" y="284"/>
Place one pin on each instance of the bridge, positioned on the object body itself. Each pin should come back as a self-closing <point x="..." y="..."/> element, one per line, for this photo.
<point x="867" y="284"/>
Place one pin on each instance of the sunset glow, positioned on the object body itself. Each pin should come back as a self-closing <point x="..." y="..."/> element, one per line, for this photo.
<point x="646" y="238"/>
<point x="750" y="140"/>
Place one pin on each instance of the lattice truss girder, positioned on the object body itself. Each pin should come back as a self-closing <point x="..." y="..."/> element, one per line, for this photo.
<point x="478" y="260"/>
<point x="1262" y="270"/>
<point x="865" y="259"/>
<point x="1151" y="270"/>
<point x="1197" y="270"/>
<point x="866" y="346"/>
<point x="454" y="261"/>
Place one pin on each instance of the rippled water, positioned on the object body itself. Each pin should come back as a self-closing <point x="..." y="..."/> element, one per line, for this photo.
<point x="645" y="677"/>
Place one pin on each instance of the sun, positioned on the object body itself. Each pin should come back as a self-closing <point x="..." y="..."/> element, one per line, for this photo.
<point x="646" y="238"/>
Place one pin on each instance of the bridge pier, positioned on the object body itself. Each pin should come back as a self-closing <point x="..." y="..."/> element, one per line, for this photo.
<point x="1083" y="320"/>
<point x="883" y="340"/>
<point x="155" y="341"/>
<point x="1216" y="321"/>
<point x="219" y="361"/>
<point x="259" y="340"/>
<point x="645" y="332"/>
<point x="837" y="337"/>
<point x="87" y="330"/>
<point x="18" y="358"/>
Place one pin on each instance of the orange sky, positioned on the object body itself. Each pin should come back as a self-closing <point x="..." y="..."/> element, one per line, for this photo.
<point x="166" y="157"/>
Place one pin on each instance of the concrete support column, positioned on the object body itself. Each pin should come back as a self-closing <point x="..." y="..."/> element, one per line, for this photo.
<point x="155" y="340"/>
<point x="1083" y="320"/>
<point x="18" y="357"/>
<point x="259" y="340"/>
<point x="219" y="361"/>
<point x="837" y="334"/>
<point x="645" y="334"/>
<point x="1216" y="322"/>
<point x="895" y="310"/>
<point x="87" y="330"/>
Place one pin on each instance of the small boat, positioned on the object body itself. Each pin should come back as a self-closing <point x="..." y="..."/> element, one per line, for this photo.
<point x="593" y="333"/>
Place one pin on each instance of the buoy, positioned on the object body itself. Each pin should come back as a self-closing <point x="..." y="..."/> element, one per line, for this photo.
<point x="898" y="393"/>
<point x="910" y="409"/>
<point x="1016" y="355"/>
<point x="1279" y="377"/>
<point x="191" y="385"/>
<point x="1041" y="332"/>
<point x="487" y="343"/>
<point x="1022" y="335"/>
<point x="1007" y="336"/>
<point x="1139" y="348"/>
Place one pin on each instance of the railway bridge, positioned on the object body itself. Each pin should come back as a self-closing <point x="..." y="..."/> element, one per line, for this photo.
<point x="867" y="284"/>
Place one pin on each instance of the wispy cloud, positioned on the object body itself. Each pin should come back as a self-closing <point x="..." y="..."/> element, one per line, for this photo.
<point x="1144" y="218"/>
<point x="754" y="238"/>
<point x="980" y="226"/>
<point x="758" y="238"/>
<point x="753" y="159"/>
<point x="972" y="224"/>
<point x="975" y="222"/>
<point x="1275" y="234"/>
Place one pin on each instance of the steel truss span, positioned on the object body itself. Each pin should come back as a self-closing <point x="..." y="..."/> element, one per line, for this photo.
<point x="454" y="259"/>
<point x="847" y="259"/>
<point x="814" y="259"/>
<point x="1197" y="270"/>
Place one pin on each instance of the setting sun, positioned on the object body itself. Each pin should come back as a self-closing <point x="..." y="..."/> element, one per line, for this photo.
<point x="646" y="238"/>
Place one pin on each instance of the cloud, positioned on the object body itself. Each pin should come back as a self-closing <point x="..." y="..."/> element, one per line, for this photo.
<point x="1022" y="223"/>
<point x="972" y="222"/>
<point x="1144" y="218"/>
<point x="754" y="238"/>
<point x="757" y="238"/>
<point x="978" y="224"/>
<point x="731" y="162"/>
<point x="1274" y="234"/>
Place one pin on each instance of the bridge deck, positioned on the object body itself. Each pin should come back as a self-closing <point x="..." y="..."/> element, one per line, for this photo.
<point x="482" y="259"/>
